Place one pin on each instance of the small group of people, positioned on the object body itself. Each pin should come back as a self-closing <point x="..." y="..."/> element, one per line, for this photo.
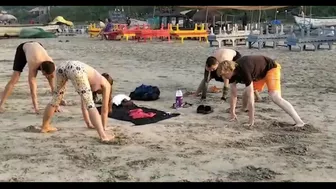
<point x="108" y="26"/>
<point x="105" y="27"/>
<point x="225" y="65"/>
<point x="255" y="71"/>
<point x="85" y="79"/>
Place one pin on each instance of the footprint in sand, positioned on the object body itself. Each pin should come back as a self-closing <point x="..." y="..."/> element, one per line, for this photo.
<point x="120" y="140"/>
<point x="308" y="128"/>
<point x="32" y="129"/>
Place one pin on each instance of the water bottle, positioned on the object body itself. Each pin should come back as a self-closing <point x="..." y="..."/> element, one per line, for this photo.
<point x="178" y="99"/>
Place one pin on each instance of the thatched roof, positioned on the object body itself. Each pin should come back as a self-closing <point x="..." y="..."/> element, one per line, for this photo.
<point x="237" y="7"/>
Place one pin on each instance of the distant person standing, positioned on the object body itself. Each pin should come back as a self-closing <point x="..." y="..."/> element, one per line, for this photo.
<point x="101" y="24"/>
<point x="107" y="28"/>
<point x="128" y="21"/>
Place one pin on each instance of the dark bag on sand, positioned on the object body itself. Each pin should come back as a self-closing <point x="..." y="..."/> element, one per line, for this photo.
<point x="145" y="93"/>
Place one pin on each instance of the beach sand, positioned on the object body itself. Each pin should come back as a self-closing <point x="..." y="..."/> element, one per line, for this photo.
<point x="190" y="147"/>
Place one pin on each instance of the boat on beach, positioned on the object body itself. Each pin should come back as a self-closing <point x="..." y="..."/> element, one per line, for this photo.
<point x="315" y="22"/>
<point x="13" y="30"/>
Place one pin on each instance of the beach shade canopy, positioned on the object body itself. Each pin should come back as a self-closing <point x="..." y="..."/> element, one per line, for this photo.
<point x="60" y="20"/>
<point x="236" y="7"/>
<point x="203" y="14"/>
<point x="7" y="17"/>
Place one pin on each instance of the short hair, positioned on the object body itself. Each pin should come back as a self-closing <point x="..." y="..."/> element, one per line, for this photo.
<point x="211" y="61"/>
<point x="48" y="67"/>
<point x="109" y="19"/>
<point x="226" y="66"/>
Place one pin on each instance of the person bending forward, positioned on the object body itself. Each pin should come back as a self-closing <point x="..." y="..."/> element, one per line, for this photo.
<point x="255" y="72"/>
<point x="211" y="65"/>
<point x="37" y="58"/>
<point x="86" y="80"/>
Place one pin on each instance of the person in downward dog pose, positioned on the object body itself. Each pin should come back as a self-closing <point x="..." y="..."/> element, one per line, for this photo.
<point x="86" y="80"/>
<point x="211" y="65"/>
<point x="255" y="72"/>
<point x="37" y="58"/>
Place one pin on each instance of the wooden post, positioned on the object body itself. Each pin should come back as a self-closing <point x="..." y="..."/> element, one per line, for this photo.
<point x="267" y="32"/>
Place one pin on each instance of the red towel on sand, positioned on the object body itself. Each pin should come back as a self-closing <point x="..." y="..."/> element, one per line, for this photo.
<point x="139" y="113"/>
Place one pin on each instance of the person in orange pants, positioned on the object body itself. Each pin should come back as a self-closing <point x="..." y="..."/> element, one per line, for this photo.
<point x="256" y="72"/>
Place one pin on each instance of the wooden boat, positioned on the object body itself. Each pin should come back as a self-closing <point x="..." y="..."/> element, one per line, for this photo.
<point x="14" y="30"/>
<point x="315" y="22"/>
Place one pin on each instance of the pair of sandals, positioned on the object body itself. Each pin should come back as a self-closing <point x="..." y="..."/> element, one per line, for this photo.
<point x="184" y="105"/>
<point x="203" y="109"/>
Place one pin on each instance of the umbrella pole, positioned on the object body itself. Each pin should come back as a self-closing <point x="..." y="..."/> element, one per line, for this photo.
<point x="206" y="15"/>
<point x="221" y="23"/>
<point x="252" y="18"/>
<point x="259" y="18"/>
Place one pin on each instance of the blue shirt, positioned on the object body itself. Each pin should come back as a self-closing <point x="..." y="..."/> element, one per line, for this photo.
<point x="108" y="27"/>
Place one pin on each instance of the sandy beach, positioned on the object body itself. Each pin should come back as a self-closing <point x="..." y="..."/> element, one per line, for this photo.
<point x="190" y="147"/>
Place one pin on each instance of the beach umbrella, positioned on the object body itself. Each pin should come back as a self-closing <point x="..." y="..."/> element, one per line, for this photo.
<point x="7" y="17"/>
<point x="189" y="13"/>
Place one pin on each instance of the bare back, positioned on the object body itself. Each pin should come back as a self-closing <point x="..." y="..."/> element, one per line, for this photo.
<point x="95" y="78"/>
<point x="35" y="55"/>
<point x="224" y="54"/>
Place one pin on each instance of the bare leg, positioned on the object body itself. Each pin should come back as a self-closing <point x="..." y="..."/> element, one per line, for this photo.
<point x="9" y="88"/>
<point x="55" y="101"/>
<point x="257" y="96"/>
<point x="95" y="118"/>
<point x="287" y="107"/>
<point x="48" y="113"/>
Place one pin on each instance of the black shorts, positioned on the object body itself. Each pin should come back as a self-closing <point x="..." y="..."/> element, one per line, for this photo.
<point x="238" y="55"/>
<point x="20" y="60"/>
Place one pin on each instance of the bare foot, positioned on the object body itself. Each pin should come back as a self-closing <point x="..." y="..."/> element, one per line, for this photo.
<point x="63" y="102"/>
<point x="2" y="110"/>
<point x="300" y="125"/>
<point x="107" y="139"/>
<point x="108" y="128"/>
<point x="48" y="129"/>
<point x="91" y="127"/>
